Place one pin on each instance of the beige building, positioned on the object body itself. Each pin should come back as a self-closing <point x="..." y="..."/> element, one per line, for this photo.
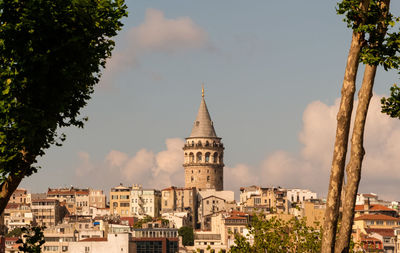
<point x="314" y="211"/>
<point x="176" y="199"/>
<point x="255" y="198"/>
<point x="97" y="198"/>
<point x="47" y="212"/>
<point x="145" y="202"/>
<point x="65" y="196"/>
<point x="203" y="154"/>
<point x="18" y="215"/>
<point x="212" y="202"/>
<point x="19" y="196"/>
<point x="120" y="200"/>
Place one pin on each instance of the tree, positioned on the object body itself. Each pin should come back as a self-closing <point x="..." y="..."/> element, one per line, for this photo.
<point x="378" y="48"/>
<point x="391" y="105"/>
<point x="187" y="235"/>
<point x="359" y="13"/>
<point x="51" y="56"/>
<point x="33" y="239"/>
<point x="276" y="235"/>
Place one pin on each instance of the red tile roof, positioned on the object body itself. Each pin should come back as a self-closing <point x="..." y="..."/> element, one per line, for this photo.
<point x="381" y="208"/>
<point x="374" y="208"/>
<point x="12" y="205"/>
<point x="387" y="232"/>
<point x="376" y="217"/>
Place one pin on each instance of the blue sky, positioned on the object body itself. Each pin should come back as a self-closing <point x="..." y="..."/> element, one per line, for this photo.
<point x="272" y="71"/>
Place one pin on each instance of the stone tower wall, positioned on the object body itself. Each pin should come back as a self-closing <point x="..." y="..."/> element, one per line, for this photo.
<point x="203" y="163"/>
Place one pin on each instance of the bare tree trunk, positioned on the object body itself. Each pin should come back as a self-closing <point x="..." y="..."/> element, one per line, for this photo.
<point x="353" y="169"/>
<point x="342" y="137"/>
<point x="340" y="148"/>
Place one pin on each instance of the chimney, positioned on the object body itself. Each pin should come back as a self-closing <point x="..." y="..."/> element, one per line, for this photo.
<point x="366" y="206"/>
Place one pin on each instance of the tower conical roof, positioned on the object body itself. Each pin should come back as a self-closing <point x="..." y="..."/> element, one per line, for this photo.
<point x="203" y="125"/>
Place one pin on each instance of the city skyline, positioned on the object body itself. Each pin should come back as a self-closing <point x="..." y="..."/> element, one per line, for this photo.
<point x="271" y="85"/>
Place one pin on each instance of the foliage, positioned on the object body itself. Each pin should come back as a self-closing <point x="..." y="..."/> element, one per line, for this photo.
<point x="32" y="241"/>
<point x="276" y="235"/>
<point x="187" y="235"/>
<point x="391" y="105"/>
<point x="140" y="222"/>
<point x="16" y="232"/>
<point x="51" y="55"/>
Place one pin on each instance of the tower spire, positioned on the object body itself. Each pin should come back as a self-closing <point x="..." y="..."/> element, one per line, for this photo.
<point x="202" y="90"/>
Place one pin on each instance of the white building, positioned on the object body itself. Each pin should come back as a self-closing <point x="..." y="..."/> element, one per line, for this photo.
<point x="113" y="243"/>
<point x="300" y="195"/>
<point x="145" y="202"/>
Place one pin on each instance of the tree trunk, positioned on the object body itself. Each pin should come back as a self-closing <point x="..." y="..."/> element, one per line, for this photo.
<point x="340" y="148"/>
<point x="7" y="188"/>
<point x="353" y="169"/>
<point x="11" y="183"/>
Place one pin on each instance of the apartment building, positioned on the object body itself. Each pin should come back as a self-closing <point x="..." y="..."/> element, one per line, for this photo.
<point x="255" y="198"/>
<point x="97" y="198"/>
<point x="145" y="201"/>
<point x="19" y="196"/>
<point x="18" y="215"/>
<point x="120" y="200"/>
<point x="47" y="212"/>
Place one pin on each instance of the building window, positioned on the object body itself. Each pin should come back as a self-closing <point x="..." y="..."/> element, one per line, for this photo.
<point x="207" y="157"/>
<point x="215" y="157"/>
<point x="199" y="156"/>
<point x="208" y="178"/>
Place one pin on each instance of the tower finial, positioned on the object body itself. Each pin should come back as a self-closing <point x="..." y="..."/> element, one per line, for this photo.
<point x="202" y="90"/>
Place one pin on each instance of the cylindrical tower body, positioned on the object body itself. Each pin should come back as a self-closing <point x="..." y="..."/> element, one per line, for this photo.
<point x="203" y="153"/>
<point x="203" y="163"/>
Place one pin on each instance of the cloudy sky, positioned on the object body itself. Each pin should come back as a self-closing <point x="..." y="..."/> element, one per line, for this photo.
<point x="272" y="72"/>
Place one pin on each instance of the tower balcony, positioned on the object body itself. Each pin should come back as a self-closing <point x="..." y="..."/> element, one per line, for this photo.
<point x="210" y="147"/>
<point x="202" y="164"/>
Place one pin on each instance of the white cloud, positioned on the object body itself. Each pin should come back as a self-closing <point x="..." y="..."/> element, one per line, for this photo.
<point x="156" y="34"/>
<point x="310" y="167"/>
<point x="160" y="33"/>
<point x="145" y="167"/>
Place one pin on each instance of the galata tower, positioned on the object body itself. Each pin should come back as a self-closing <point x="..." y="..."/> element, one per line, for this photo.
<point x="204" y="152"/>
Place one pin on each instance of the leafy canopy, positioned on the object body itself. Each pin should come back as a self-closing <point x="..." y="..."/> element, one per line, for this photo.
<point x="51" y="55"/>
<point x="187" y="235"/>
<point x="276" y="235"/>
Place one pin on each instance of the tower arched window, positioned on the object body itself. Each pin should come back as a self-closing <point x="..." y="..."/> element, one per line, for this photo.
<point x="221" y="158"/>
<point x="207" y="144"/>
<point x="214" y="144"/>
<point x="191" y="157"/>
<point x="199" y="143"/>
<point x="192" y="143"/>
<point x="207" y="157"/>
<point x="191" y="179"/>
<point x="198" y="157"/>
<point x="215" y="157"/>
<point x="208" y="178"/>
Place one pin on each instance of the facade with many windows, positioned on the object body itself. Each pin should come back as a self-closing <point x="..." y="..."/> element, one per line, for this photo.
<point x="120" y="200"/>
<point x="145" y="202"/>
